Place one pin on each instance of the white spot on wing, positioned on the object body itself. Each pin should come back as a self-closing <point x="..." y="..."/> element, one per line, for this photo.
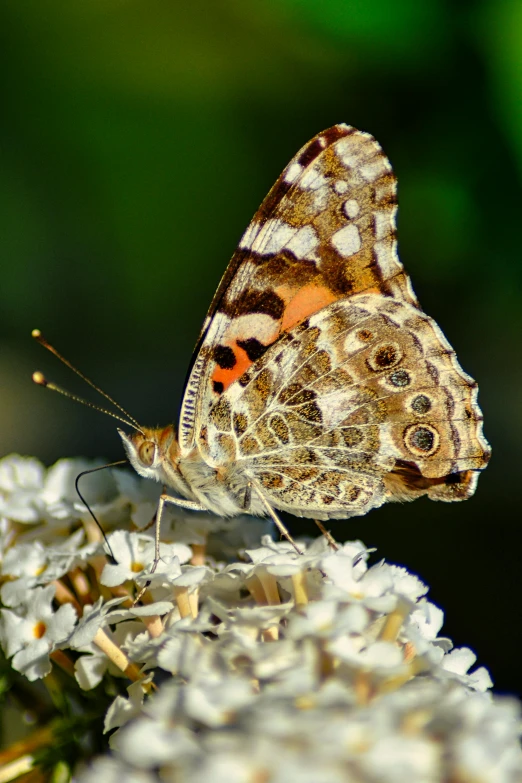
<point x="347" y="240"/>
<point x="351" y="208"/>
<point x="234" y="393"/>
<point x="273" y="237"/>
<point x="259" y="325"/>
<point x="387" y="257"/>
<point x="293" y="171"/>
<point x="384" y="224"/>
<point x="276" y="235"/>
<point x="304" y="242"/>
<point x="354" y="150"/>
<point x="312" y="179"/>
<point x="375" y="168"/>
<point x="250" y="234"/>
<point x="340" y="186"/>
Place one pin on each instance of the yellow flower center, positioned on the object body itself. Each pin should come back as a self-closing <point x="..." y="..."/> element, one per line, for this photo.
<point x="39" y="630"/>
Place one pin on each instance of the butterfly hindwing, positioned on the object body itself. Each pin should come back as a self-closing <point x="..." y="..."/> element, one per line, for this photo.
<point x="361" y="403"/>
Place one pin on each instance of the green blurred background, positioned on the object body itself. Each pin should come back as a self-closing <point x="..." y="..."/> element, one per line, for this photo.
<point x="138" y="138"/>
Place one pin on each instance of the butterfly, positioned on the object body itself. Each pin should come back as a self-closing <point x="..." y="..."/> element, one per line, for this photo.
<point x="318" y="385"/>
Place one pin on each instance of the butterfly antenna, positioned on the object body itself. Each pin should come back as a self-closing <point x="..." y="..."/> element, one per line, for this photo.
<point x="41" y="380"/>
<point x="89" y="509"/>
<point x="36" y="333"/>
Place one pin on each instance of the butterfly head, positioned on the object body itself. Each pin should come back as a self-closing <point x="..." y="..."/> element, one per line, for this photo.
<point x="151" y="451"/>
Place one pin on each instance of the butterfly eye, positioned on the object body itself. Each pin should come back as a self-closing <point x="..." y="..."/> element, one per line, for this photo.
<point x="147" y="452"/>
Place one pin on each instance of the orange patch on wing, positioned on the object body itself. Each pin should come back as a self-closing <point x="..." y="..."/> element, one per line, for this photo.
<point x="226" y="377"/>
<point x="302" y="302"/>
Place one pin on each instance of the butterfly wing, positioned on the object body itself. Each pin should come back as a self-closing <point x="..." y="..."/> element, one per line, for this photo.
<point x="326" y="231"/>
<point x="362" y="403"/>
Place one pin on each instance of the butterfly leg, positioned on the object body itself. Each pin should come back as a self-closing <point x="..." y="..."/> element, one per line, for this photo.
<point x="275" y="518"/>
<point x="326" y="533"/>
<point x="166" y="500"/>
<point x="169" y="501"/>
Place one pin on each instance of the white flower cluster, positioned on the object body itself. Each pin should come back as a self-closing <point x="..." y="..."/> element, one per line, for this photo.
<point x="252" y="664"/>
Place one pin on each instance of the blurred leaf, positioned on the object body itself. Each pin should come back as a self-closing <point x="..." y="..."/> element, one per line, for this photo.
<point x="499" y="33"/>
<point x="442" y="220"/>
<point x="402" y="28"/>
<point x="24" y="237"/>
<point x="162" y="48"/>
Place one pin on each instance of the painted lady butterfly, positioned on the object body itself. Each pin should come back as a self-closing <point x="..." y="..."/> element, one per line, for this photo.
<point x="318" y="385"/>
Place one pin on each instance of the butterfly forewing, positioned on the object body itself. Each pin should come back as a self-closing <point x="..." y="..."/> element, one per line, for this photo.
<point x="326" y="231"/>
